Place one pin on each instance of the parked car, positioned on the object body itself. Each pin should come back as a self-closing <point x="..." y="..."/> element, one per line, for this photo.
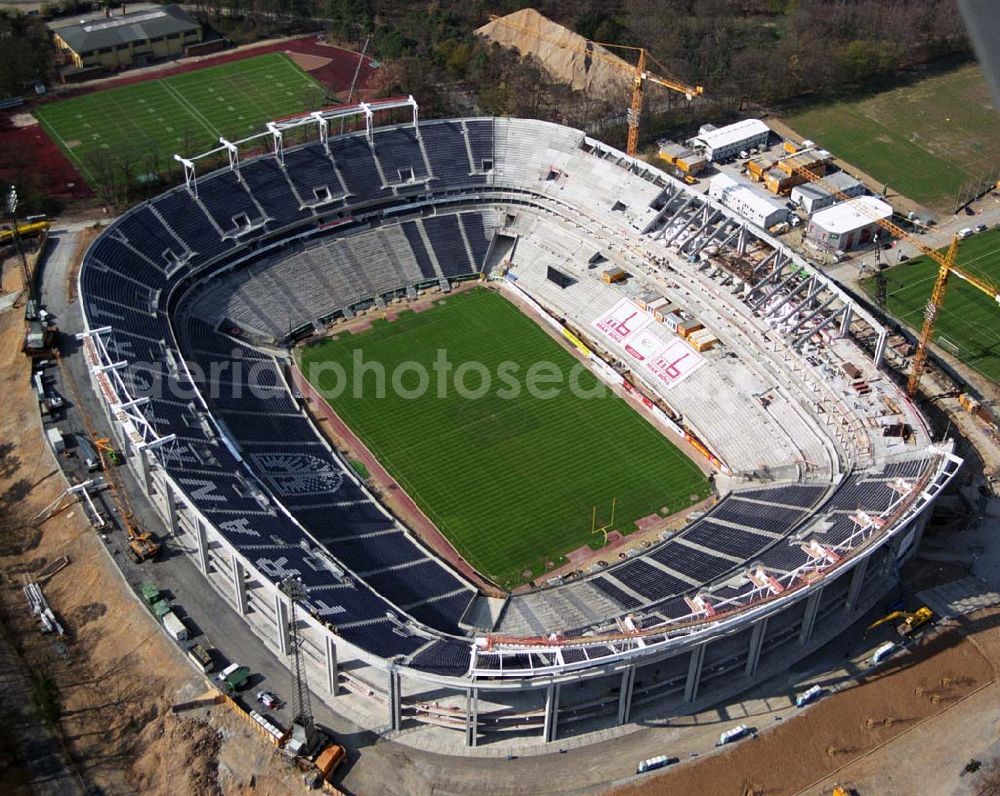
<point x="904" y="257"/>
<point x="268" y="700"/>
<point x="980" y="228"/>
<point x="969" y="211"/>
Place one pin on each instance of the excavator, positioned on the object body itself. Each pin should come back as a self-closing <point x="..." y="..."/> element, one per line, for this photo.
<point x="107" y="450"/>
<point x="912" y="621"/>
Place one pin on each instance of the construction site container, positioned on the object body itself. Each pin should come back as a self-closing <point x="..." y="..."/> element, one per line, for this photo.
<point x="758" y="167"/>
<point x="815" y="160"/>
<point x="174" y="626"/>
<point x="236" y="679"/>
<point x="661" y="313"/>
<point x="779" y="182"/>
<point x="160" y="609"/>
<point x="682" y="158"/>
<point x="655" y="305"/>
<point x="703" y="340"/>
<point x="329" y="759"/>
<point x="56" y="440"/>
<point x="150" y="593"/>
<point x="612" y="275"/>
<point x="646" y="299"/>
<point x="670" y="320"/>
<point x="200" y="657"/>
<point x="689" y="325"/>
<point x="789" y="146"/>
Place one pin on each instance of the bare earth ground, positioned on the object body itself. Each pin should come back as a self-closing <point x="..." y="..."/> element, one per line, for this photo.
<point x="118" y="673"/>
<point x="835" y="731"/>
<point x="945" y="744"/>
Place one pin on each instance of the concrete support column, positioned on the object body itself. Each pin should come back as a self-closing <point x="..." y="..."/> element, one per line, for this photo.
<point x="854" y="590"/>
<point x="201" y="544"/>
<point x="332" y="678"/>
<point x="625" y="696"/>
<point x="845" y="321"/>
<point x="472" y="717"/>
<point x="809" y="617"/>
<point x="124" y="442"/>
<point x="142" y="469"/>
<point x="282" y="613"/>
<point x="551" y="713"/>
<point x="169" y="506"/>
<point x="892" y="550"/>
<point x="756" y="644"/>
<point x="883" y="337"/>
<point x="395" y="701"/>
<point x="694" y="673"/>
<point x="239" y="585"/>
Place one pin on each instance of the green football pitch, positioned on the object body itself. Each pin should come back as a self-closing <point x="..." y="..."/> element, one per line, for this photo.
<point x="149" y="122"/>
<point x="512" y="482"/>
<point x="969" y="324"/>
<point x="926" y="139"/>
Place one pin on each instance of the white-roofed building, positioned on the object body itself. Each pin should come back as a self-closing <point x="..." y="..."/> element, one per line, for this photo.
<point x="848" y="224"/>
<point x="723" y="143"/>
<point x="813" y="197"/>
<point x="741" y="197"/>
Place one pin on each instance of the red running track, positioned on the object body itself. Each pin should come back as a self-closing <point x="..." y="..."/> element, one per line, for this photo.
<point x="29" y="157"/>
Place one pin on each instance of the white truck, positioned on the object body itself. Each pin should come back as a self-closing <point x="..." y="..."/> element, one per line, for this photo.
<point x="175" y="627"/>
<point x="56" y="440"/>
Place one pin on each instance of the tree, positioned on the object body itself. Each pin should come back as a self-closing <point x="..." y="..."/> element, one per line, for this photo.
<point x="25" y="52"/>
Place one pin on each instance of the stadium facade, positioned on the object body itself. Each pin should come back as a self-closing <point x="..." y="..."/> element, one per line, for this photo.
<point x="826" y="472"/>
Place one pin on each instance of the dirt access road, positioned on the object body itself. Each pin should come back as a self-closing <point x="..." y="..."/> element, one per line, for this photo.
<point x="114" y="675"/>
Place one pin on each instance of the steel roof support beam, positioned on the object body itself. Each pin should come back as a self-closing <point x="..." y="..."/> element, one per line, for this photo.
<point x="190" y="181"/>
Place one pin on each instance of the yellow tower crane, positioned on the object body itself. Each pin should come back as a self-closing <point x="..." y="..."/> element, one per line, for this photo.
<point x="640" y="75"/>
<point x="947" y="267"/>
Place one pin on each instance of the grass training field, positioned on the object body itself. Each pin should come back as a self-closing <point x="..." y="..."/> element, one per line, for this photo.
<point x="970" y="319"/>
<point x="184" y="114"/>
<point x="926" y="140"/>
<point x="510" y="481"/>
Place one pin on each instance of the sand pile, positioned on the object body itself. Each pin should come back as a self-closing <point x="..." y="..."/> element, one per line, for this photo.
<point x="565" y="55"/>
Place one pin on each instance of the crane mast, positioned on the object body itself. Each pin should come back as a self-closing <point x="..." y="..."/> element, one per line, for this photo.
<point x="640" y="75"/>
<point x="947" y="266"/>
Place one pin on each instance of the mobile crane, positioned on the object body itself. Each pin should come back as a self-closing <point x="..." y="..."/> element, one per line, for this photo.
<point x="640" y="75"/>
<point x="141" y="544"/>
<point x="947" y="267"/>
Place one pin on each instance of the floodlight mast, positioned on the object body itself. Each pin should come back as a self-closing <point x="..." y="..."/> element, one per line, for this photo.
<point x="295" y="590"/>
<point x="25" y="273"/>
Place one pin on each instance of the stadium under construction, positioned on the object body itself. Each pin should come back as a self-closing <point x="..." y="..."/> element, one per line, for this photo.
<point x="824" y="471"/>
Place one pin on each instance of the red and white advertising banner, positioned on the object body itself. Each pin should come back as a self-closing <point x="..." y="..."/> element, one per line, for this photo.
<point x="645" y="345"/>
<point x="674" y="363"/>
<point x="622" y="322"/>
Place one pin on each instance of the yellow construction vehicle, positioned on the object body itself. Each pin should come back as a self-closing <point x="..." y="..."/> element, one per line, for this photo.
<point x="107" y="450"/>
<point x="640" y="75"/>
<point x="142" y="544"/>
<point x="912" y="621"/>
<point x="947" y="267"/>
<point x="23" y="231"/>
